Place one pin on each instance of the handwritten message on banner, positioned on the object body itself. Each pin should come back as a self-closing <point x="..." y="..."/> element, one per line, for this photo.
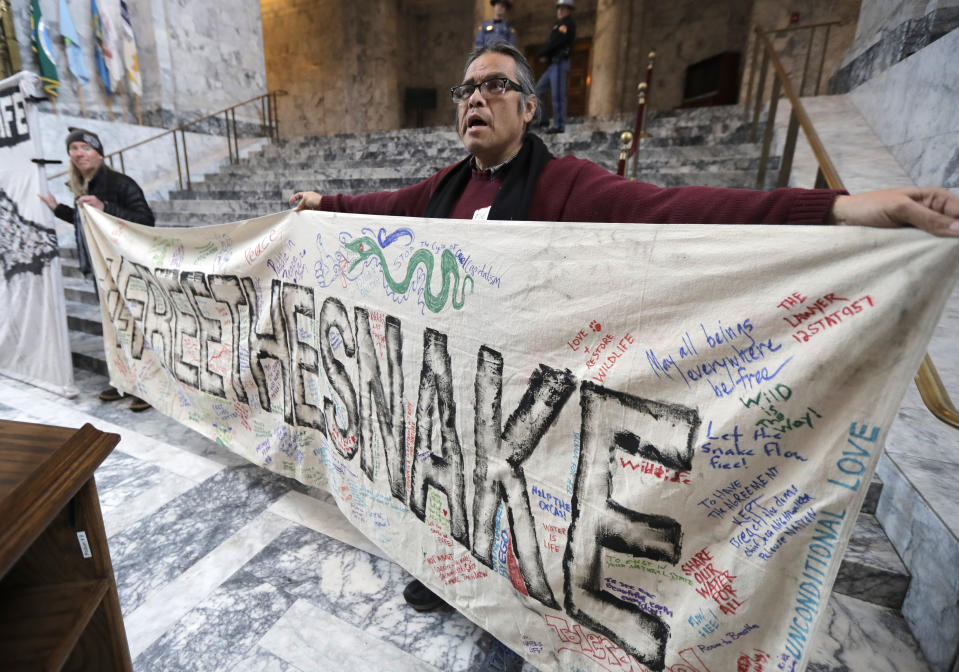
<point x="616" y="447"/>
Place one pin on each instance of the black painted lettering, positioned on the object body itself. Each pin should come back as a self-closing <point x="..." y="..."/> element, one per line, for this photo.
<point x="374" y="399"/>
<point x="226" y="289"/>
<point x="208" y="330"/>
<point x="500" y="452"/>
<point x="305" y="366"/>
<point x="333" y="315"/>
<point x="664" y="433"/>
<point x="268" y="342"/>
<point x="159" y="320"/>
<point x="444" y="470"/>
<point x="185" y="324"/>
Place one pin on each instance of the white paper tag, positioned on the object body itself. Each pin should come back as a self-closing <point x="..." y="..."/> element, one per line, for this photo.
<point x="482" y="213"/>
<point x="84" y="544"/>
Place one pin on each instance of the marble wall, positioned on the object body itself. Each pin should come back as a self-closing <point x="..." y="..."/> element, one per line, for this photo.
<point x="339" y="61"/>
<point x="195" y="58"/>
<point x="890" y="31"/>
<point x="911" y="106"/>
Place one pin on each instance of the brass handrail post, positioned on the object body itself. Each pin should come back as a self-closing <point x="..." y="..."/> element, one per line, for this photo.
<point x="276" y="120"/>
<point x="822" y="61"/>
<point x="625" y="140"/>
<point x="825" y="163"/>
<point x="768" y="134"/>
<point x="639" y="126"/>
<point x="229" y="145"/>
<point x="269" y="115"/>
<point x="805" y="67"/>
<point x="236" y="137"/>
<point x="752" y="73"/>
<point x="186" y="159"/>
<point x="789" y="150"/>
<point x="640" y="114"/>
<point x="649" y="90"/>
<point x="760" y="85"/>
<point x="176" y="150"/>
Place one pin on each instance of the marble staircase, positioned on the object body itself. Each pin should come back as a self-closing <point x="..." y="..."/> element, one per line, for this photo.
<point x="707" y="146"/>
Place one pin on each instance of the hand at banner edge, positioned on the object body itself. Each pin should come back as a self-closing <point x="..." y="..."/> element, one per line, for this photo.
<point x="49" y="200"/>
<point x="932" y="209"/>
<point x="92" y="201"/>
<point x="308" y="200"/>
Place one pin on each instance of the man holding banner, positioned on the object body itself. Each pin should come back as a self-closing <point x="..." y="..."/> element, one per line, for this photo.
<point x="613" y="446"/>
<point x="510" y="175"/>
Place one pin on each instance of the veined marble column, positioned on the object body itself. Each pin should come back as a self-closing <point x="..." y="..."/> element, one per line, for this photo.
<point x="617" y="21"/>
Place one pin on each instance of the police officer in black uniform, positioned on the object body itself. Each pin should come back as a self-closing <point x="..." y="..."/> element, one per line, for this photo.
<point x="556" y="52"/>
<point x="497" y="29"/>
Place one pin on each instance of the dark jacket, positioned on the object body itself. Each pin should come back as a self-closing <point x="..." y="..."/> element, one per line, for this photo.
<point x="121" y="196"/>
<point x="561" y="39"/>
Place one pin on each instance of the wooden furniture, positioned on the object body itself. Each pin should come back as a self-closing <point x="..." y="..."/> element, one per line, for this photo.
<point x="59" y="608"/>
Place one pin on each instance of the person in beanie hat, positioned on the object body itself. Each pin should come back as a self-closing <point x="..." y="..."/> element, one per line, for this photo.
<point x="94" y="184"/>
<point x="497" y="29"/>
<point x="556" y="53"/>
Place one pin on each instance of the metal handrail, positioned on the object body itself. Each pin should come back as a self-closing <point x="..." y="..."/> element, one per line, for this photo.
<point x="639" y="130"/>
<point x="269" y="124"/>
<point x="804" y="27"/>
<point x="931" y="389"/>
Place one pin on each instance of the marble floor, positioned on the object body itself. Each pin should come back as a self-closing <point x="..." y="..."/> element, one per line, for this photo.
<point x="223" y="566"/>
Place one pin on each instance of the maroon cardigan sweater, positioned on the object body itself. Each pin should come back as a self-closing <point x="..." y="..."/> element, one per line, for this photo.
<point x="577" y="190"/>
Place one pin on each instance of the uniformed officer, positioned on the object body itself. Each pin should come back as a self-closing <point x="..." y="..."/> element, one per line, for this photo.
<point x="556" y="52"/>
<point x="497" y="29"/>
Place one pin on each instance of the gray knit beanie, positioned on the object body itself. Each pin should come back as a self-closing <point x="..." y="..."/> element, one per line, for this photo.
<point x="83" y="135"/>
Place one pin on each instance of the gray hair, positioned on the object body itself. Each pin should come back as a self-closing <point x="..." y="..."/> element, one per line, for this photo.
<point x="524" y="73"/>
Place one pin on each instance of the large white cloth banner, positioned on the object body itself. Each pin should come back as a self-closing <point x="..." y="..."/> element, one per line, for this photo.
<point x="34" y="345"/>
<point x="615" y="447"/>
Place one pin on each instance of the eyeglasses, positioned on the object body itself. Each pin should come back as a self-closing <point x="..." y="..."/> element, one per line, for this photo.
<point x="489" y="88"/>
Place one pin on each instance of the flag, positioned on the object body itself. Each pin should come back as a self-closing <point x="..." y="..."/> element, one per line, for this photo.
<point x="107" y="55"/>
<point x="44" y="50"/>
<point x="72" y="41"/>
<point x="130" y="58"/>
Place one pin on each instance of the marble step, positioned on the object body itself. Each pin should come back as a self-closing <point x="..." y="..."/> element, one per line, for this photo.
<point x="291" y="175"/>
<point x="707" y="114"/>
<point x="426" y="153"/>
<point x="871" y="569"/>
<point x="297" y="167"/>
<point x="856" y="636"/>
<point x="574" y="125"/>
<point x="270" y="190"/>
<point x="661" y="134"/>
<point x="84" y="317"/>
<point x="69" y="266"/>
<point x="79" y="290"/>
<point x="87" y="352"/>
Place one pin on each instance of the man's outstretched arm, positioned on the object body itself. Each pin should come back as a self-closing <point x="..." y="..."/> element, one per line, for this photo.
<point x="306" y="200"/>
<point x="931" y="209"/>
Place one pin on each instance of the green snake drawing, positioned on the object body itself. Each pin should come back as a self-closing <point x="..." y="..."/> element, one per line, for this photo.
<point x="366" y="247"/>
